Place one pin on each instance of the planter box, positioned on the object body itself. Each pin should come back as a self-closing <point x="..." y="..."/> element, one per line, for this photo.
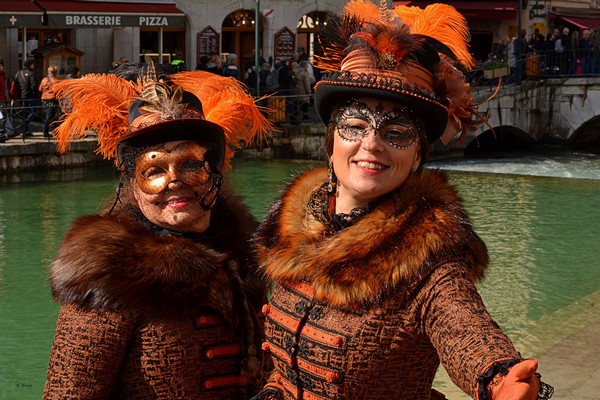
<point x="495" y="73"/>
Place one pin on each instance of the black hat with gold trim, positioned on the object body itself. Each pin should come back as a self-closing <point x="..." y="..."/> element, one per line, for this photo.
<point x="406" y="55"/>
<point x="127" y="114"/>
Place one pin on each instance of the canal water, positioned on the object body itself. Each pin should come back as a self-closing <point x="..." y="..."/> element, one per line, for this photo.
<point x="539" y="215"/>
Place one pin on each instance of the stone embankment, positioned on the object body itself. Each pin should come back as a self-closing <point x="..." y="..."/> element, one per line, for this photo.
<point x="37" y="152"/>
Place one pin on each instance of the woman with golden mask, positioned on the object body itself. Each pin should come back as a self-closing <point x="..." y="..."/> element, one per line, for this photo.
<point x="373" y="260"/>
<point x="159" y="293"/>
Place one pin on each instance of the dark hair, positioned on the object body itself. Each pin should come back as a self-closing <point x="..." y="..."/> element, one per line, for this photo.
<point x="73" y="70"/>
<point x="29" y="63"/>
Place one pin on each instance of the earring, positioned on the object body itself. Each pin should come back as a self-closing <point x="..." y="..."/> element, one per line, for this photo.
<point x="331" y="178"/>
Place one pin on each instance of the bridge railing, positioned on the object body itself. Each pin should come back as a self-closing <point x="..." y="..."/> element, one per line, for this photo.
<point x="539" y="65"/>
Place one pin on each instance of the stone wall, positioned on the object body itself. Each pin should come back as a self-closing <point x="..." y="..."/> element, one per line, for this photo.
<point x="31" y="155"/>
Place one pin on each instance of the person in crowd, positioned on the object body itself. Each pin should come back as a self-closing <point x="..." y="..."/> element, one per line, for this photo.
<point x="575" y="67"/>
<point x="29" y="95"/>
<point x="4" y="85"/>
<point x="202" y="64"/>
<point x="301" y="55"/>
<point x="232" y="68"/>
<point x="521" y="50"/>
<point x="562" y="48"/>
<point x="48" y="96"/>
<point x="214" y="64"/>
<point x="585" y="51"/>
<point x="595" y="49"/>
<point x="536" y="42"/>
<point x="284" y="77"/>
<point x="159" y="292"/>
<point x="251" y="73"/>
<point x="511" y="61"/>
<point x="74" y="72"/>
<point x="5" y="121"/>
<point x="551" y="56"/>
<point x="302" y="91"/>
<point x="501" y="50"/>
<point x="373" y="260"/>
<point x="121" y="61"/>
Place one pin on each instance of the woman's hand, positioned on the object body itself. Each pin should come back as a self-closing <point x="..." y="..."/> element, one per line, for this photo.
<point x="520" y="383"/>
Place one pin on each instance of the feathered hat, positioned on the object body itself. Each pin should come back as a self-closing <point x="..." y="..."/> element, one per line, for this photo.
<point x="128" y="112"/>
<point x="407" y="55"/>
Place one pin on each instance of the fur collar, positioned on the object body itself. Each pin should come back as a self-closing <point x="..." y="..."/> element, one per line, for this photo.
<point x="408" y="234"/>
<point x="115" y="262"/>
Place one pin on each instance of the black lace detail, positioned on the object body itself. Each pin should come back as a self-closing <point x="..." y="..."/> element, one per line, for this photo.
<point x="320" y="207"/>
<point x="545" y="393"/>
<point x="269" y="394"/>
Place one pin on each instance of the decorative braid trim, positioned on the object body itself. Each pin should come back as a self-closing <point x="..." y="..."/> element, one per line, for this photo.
<point x="318" y="335"/>
<point x="327" y="374"/>
<point x="372" y="81"/>
<point x="290" y="387"/>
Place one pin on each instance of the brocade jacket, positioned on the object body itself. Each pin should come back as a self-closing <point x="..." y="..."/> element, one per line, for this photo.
<point x="150" y="314"/>
<point x="370" y="311"/>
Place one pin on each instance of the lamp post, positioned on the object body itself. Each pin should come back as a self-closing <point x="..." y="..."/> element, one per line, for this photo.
<point x="256" y="55"/>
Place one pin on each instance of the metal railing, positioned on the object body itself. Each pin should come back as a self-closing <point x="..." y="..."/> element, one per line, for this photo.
<point x="284" y="111"/>
<point x="537" y="65"/>
<point x="13" y="113"/>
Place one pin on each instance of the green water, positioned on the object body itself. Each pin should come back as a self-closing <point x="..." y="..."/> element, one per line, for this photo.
<point x="542" y="232"/>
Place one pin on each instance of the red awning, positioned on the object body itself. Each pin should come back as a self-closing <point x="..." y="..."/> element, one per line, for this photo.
<point x="583" y="23"/>
<point x="15" y="13"/>
<point x="75" y="13"/>
<point x="491" y="9"/>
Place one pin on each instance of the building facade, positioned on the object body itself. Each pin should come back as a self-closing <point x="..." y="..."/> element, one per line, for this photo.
<point x="162" y="30"/>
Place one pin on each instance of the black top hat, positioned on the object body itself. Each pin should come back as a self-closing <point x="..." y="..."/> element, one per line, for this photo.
<point x="176" y="115"/>
<point x="407" y="55"/>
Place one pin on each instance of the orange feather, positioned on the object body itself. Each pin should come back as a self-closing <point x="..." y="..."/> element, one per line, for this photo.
<point x="441" y="22"/>
<point x="226" y="102"/>
<point x="98" y="103"/>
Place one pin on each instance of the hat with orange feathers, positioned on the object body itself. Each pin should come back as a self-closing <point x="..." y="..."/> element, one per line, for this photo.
<point x="407" y="55"/>
<point x="136" y="111"/>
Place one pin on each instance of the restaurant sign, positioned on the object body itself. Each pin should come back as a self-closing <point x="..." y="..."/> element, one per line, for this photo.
<point x="115" y="21"/>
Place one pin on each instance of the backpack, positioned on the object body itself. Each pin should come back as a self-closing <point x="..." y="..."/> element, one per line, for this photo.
<point x="15" y="88"/>
<point x="179" y="65"/>
<point x="558" y="46"/>
<point x="272" y="80"/>
<point x="251" y="76"/>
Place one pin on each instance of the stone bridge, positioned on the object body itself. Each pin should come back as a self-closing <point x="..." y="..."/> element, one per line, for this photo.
<point x="550" y="111"/>
<point x="563" y="112"/>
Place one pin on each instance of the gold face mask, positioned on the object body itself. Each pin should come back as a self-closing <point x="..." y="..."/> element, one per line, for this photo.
<point x="185" y="162"/>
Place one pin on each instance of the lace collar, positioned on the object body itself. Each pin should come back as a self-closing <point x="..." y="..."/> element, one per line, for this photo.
<point x="322" y="207"/>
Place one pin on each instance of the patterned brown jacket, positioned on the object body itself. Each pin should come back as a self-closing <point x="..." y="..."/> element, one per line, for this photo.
<point x="154" y="315"/>
<point x="370" y="311"/>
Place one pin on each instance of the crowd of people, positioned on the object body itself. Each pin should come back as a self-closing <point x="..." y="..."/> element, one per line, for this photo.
<point x="561" y="52"/>
<point x="293" y="77"/>
<point x="25" y="92"/>
<point x="359" y="283"/>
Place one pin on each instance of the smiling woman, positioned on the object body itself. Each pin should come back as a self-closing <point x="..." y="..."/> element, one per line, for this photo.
<point x="159" y="293"/>
<point x="374" y="261"/>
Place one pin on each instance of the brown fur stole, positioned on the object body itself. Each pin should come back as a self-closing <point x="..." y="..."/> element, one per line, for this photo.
<point x="409" y="233"/>
<point x="113" y="261"/>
